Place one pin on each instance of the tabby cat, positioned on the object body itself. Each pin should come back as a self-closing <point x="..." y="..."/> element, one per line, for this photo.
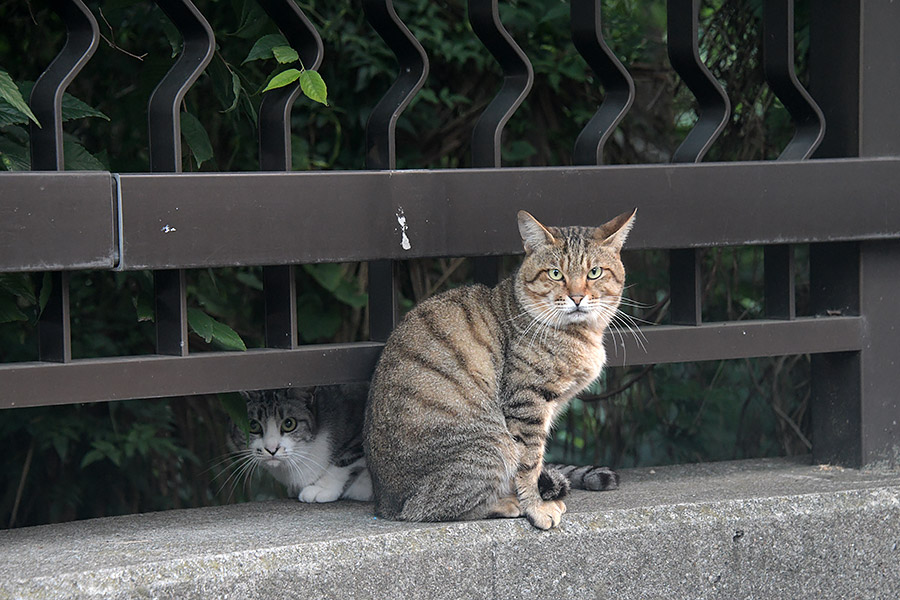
<point x="308" y="439"/>
<point x="468" y="386"/>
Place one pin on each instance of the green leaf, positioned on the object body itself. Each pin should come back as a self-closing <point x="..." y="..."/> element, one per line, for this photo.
<point x="143" y="306"/>
<point x="314" y="86"/>
<point x="61" y="445"/>
<point x="46" y="289"/>
<point x="251" y="280"/>
<point x="227" y="338"/>
<point x="73" y="108"/>
<point x="10" y="92"/>
<point x="282" y="79"/>
<point x="236" y="408"/>
<point x="328" y="275"/>
<point x="285" y="54"/>
<point x="10" y="115"/>
<point x="77" y="158"/>
<point x="213" y="331"/>
<point x="347" y="293"/>
<point x="236" y="90"/>
<point x="102" y="449"/>
<point x="19" y="284"/>
<point x="196" y="138"/>
<point x="13" y="156"/>
<point x="172" y="35"/>
<point x="9" y="309"/>
<point x="91" y="457"/>
<point x="201" y="324"/>
<point x="262" y="49"/>
<point x="253" y="19"/>
<point x="321" y="321"/>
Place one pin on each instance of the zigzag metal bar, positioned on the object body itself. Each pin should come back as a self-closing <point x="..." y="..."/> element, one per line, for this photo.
<point x="279" y="282"/>
<point x="684" y="54"/>
<point x="714" y="110"/>
<point x="165" y="102"/>
<point x="82" y="36"/>
<point x="46" y="95"/>
<point x="381" y="145"/>
<point x="380" y="129"/>
<point x="617" y="82"/>
<point x="778" y="66"/>
<point x="518" y="77"/>
<point x="165" y="155"/>
<point x="275" y="109"/>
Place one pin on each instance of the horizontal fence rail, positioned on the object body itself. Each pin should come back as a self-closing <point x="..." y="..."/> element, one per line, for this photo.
<point x="119" y="378"/>
<point x="69" y="220"/>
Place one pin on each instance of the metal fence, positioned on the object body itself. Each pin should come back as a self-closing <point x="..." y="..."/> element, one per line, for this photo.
<point x="843" y="203"/>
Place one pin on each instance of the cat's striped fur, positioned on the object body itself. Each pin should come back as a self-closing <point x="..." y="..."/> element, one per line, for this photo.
<point x="468" y="386"/>
<point x="309" y="439"/>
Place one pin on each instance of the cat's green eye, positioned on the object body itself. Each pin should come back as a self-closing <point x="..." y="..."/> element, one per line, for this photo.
<point x="555" y="274"/>
<point x="288" y="425"/>
<point x="255" y="427"/>
<point x="595" y="273"/>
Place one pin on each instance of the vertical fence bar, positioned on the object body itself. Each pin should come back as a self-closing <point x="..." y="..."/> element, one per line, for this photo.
<point x="834" y="279"/>
<point x="487" y="135"/>
<point x="778" y="270"/>
<point x="780" y="74"/>
<point x="82" y="36"/>
<point x="279" y="282"/>
<point x="880" y="260"/>
<point x="685" y="286"/>
<point x="55" y="324"/>
<point x="518" y="77"/>
<point x="164" y="115"/>
<point x="275" y="109"/>
<point x="714" y="108"/>
<point x="280" y="289"/>
<point x="381" y="145"/>
<point x="854" y="73"/>
<point x="778" y="67"/>
<point x="618" y="85"/>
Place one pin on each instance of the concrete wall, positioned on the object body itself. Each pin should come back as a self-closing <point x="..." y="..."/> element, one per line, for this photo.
<point x="750" y="529"/>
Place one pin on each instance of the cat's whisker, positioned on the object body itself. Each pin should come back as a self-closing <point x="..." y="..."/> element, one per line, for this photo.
<point x="306" y="461"/>
<point x="239" y="472"/>
<point x="628" y="323"/>
<point x="226" y="459"/>
<point x="536" y="324"/>
<point x="613" y="330"/>
<point x="527" y="310"/>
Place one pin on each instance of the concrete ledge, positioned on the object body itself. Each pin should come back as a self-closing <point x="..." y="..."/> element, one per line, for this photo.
<point x="750" y="529"/>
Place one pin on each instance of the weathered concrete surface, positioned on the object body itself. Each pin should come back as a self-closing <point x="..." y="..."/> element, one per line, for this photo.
<point x="755" y="529"/>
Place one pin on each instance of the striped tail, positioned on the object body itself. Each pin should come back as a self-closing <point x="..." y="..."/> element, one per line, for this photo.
<point x="555" y="477"/>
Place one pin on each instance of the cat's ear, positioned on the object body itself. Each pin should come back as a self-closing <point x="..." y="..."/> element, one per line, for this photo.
<point x="534" y="235"/>
<point x="303" y="394"/>
<point x="615" y="231"/>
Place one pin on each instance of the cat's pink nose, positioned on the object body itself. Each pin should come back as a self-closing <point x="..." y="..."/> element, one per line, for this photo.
<point x="272" y="452"/>
<point x="577" y="299"/>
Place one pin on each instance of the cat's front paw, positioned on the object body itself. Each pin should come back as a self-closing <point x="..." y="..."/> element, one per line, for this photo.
<point x="315" y="493"/>
<point x="546" y="513"/>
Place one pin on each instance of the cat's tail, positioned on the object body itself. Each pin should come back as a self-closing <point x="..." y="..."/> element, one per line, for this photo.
<point x="556" y="480"/>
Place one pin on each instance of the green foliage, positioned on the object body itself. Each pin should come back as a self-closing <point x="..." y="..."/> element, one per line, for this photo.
<point x="196" y="138"/>
<point x="13" y="107"/>
<point x="213" y="331"/>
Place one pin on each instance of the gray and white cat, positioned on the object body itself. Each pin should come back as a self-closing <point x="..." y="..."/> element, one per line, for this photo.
<point x="308" y="439"/>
